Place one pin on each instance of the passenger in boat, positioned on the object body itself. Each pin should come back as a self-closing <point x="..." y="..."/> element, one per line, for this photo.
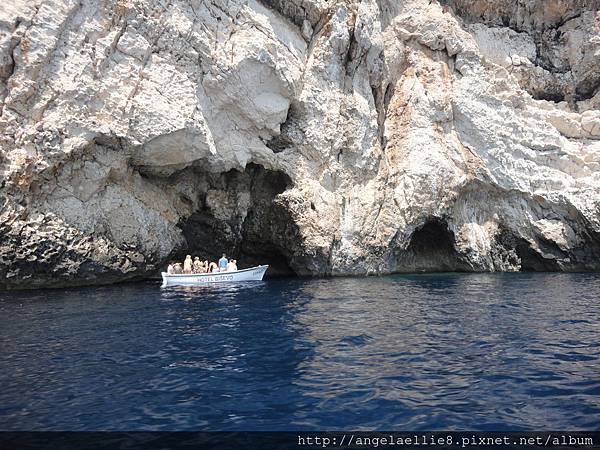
<point x="235" y="264"/>
<point x="188" y="264"/>
<point x="177" y="269"/>
<point x="170" y="268"/>
<point x="212" y="267"/>
<point x="223" y="263"/>
<point x="197" y="265"/>
<point x="231" y="267"/>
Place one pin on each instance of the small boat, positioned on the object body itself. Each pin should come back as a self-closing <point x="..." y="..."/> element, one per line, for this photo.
<point x="199" y="279"/>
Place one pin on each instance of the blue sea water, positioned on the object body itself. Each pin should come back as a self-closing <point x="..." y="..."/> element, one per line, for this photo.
<point x="415" y="352"/>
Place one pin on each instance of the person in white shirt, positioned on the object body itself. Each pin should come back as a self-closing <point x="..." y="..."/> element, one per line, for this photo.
<point x="187" y="264"/>
<point x="197" y="266"/>
<point x="170" y="269"/>
<point x="231" y="267"/>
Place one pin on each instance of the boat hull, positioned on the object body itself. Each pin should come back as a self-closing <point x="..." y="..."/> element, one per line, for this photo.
<point x="200" y="279"/>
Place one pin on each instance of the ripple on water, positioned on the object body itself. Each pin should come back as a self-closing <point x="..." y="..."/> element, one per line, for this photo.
<point x="450" y="351"/>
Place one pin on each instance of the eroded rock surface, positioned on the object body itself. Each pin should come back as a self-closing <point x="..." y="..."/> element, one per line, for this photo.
<point x="324" y="137"/>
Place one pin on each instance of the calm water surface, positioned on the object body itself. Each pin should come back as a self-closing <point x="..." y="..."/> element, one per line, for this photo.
<point x="478" y="352"/>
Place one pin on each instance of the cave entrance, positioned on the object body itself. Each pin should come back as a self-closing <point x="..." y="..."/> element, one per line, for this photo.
<point x="239" y="214"/>
<point x="432" y="249"/>
<point x="532" y="261"/>
<point x="524" y="256"/>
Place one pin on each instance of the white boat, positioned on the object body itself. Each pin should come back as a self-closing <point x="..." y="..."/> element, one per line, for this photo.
<point x="199" y="279"/>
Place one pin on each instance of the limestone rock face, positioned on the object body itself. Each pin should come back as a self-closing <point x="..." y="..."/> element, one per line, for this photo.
<point x="322" y="137"/>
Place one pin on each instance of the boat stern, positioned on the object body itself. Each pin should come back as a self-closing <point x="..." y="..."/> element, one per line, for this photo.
<point x="263" y="271"/>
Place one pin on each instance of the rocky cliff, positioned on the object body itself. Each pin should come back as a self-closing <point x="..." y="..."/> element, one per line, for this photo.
<point x="321" y="136"/>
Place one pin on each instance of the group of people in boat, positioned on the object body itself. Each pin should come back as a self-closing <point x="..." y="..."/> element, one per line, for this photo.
<point x="196" y="266"/>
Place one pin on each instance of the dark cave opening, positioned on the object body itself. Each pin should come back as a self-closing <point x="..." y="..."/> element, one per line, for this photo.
<point x="532" y="261"/>
<point x="432" y="249"/>
<point x="528" y="259"/>
<point x="239" y="214"/>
